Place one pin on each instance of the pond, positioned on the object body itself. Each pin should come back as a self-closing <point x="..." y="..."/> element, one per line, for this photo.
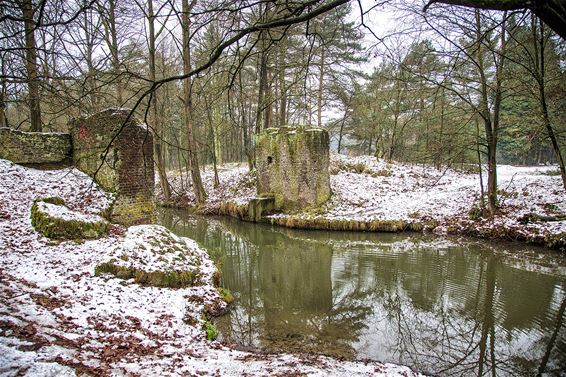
<point x="441" y="305"/>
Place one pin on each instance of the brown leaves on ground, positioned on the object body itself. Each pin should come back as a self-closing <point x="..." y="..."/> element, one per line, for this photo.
<point x="47" y="302"/>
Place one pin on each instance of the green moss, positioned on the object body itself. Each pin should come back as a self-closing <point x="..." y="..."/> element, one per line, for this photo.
<point x="475" y="213"/>
<point x="556" y="241"/>
<point x="210" y="329"/>
<point x="131" y="211"/>
<point x="166" y="279"/>
<point x="107" y="212"/>
<point x="381" y="173"/>
<point x="323" y="194"/>
<point x="322" y="223"/>
<point x="53" y="200"/>
<point x="225" y="294"/>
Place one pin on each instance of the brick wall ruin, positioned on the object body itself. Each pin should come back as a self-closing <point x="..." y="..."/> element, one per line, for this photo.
<point x="121" y="164"/>
<point x="292" y="166"/>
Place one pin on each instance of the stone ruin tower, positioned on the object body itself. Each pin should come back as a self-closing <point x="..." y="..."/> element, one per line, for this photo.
<point x="121" y="164"/>
<point x="292" y="166"/>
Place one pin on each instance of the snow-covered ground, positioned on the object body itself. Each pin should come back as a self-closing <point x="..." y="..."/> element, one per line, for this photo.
<point x="58" y="319"/>
<point x="409" y="192"/>
<point x="366" y="189"/>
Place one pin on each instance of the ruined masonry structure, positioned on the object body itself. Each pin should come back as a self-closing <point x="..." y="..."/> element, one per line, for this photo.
<point x="292" y="166"/>
<point x="34" y="147"/>
<point x="126" y="167"/>
<point x="122" y="164"/>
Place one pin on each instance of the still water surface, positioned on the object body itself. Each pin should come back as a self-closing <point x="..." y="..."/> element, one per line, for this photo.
<point x="443" y="306"/>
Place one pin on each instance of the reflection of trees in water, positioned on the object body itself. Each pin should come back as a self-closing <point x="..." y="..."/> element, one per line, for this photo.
<point x="284" y="292"/>
<point x="451" y="312"/>
<point x="296" y="296"/>
<point x="464" y="332"/>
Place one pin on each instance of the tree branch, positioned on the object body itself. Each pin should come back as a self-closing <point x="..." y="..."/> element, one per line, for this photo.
<point x="552" y="12"/>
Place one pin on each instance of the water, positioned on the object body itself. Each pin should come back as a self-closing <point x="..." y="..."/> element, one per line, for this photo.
<point x="443" y="306"/>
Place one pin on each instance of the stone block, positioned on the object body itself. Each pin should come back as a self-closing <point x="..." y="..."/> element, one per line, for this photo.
<point x="292" y="166"/>
<point x="52" y="218"/>
<point x="258" y="207"/>
<point x="34" y="147"/>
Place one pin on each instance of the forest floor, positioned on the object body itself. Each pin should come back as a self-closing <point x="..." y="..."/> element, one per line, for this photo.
<point x="372" y="194"/>
<point x="58" y="319"/>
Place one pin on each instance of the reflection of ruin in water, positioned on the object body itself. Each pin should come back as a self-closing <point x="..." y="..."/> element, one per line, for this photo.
<point x="457" y="309"/>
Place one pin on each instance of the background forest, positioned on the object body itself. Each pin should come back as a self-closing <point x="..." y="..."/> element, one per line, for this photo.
<point x="449" y="86"/>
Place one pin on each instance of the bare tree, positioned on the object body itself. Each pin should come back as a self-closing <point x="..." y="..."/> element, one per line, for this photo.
<point x="156" y="121"/>
<point x="32" y="79"/>
<point x="193" y="164"/>
<point x="539" y="72"/>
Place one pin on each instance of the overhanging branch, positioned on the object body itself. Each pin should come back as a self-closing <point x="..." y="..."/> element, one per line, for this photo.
<point x="551" y="12"/>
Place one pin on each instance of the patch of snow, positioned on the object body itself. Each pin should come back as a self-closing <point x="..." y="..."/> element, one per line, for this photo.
<point x="16" y="362"/>
<point x="64" y="213"/>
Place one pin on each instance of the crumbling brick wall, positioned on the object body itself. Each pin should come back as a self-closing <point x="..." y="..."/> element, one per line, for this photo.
<point x="292" y="166"/>
<point x="117" y="152"/>
<point x="34" y="147"/>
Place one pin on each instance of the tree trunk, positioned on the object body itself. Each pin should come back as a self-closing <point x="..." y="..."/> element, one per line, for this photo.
<point x="213" y="148"/>
<point x="157" y="123"/>
<point x="268" y="102"/>
<point x="214" y="157"/>
<point x="90" y="80"/>
<point x="3" y="120"/>
<point x="282" y="84"/>
<point x="31" y="66"/>
<point x="108" y="17"/>
<point x="538" y="44"/>
<point x="193" y="165"/>
<point x="396" y="116"/>
<point x="320" y="90"/>
<point x="437" y="157"/>
<point x="490" y="129"/>
<point x="341" y="132"/>
<point x="262" y="88"/>
<point x="114" y="49"/>
<point x="482" y="192"/>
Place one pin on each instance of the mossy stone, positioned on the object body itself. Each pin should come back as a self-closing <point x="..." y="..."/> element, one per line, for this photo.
<point x="71" y="229"/>
<point x="165" y="279"/>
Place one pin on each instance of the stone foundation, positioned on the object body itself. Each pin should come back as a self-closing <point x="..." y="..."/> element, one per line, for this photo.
<point x="122" y="164"/>
<point x="34" y="147"/>
<point x="292" y="166"/>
